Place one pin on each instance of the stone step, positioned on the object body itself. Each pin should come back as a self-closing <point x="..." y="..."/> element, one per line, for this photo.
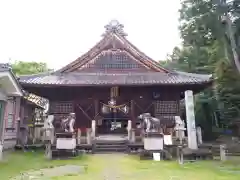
<point x="110" y="149"/>
<point x="109" y="142"/>
<point x="110" y="145"/>
<point x="63" y="153"/>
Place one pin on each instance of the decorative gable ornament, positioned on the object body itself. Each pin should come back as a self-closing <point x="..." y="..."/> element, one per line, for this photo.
<point x="114" y="27"/>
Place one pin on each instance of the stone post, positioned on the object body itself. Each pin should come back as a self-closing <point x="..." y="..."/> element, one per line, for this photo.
<point x="79" y="136"/>
<point x="49" y="135"/>
<point x="142" y="135"/>
<point x="133" y="137"/>
<point x="129" y="127"/>
<point x="93" y="129"/>
<point x="1" y="151"/>
<point x="223" y="156"/>
<point x="89" y="138"/>
<point x="48" y="150"/>
<point x="180" y="155"/>
<point x="191" y="128"/>
<point x="199" y="135"/>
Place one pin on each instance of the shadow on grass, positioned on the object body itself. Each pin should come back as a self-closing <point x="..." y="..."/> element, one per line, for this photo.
<point x="18" y="162"/>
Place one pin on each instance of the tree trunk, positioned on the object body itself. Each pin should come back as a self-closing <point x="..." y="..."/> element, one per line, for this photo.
<point x="232" y="42"/>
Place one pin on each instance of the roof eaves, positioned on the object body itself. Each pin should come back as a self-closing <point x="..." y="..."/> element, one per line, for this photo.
<point x="201" y="76"/>
<point x="5" y="67"/>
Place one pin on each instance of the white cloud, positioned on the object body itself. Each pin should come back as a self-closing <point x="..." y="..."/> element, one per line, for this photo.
<point x="59" y="31"/>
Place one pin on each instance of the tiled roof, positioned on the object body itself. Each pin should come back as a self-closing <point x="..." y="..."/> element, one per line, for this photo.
<point x="88" y="79"/>
<point x="109" y="62"/>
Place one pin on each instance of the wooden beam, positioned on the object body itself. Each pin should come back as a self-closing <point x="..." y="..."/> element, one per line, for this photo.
<point x="133" y="118"/>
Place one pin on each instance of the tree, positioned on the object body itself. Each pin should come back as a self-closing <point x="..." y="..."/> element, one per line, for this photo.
<point x="25" y="68"/>
<point x="207" y="48"/>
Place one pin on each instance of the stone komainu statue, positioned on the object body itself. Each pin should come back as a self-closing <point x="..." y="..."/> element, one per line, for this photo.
<point x="68" y="123"/>
<point x="151" y="124"/>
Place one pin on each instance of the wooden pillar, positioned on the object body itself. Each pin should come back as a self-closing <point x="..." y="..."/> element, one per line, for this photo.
<point x="89" y="138"/>
<point x="129" y="128"/>
<point x="93" y="134"/>
<point x="2" y="122"/>
<point x="133" y="118"/>
<point x="96" y="110"/>
<point x="79" y="136"/>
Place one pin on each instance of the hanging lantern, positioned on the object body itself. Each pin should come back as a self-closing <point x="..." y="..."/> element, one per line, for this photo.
<point x="112" y="102"/>
<point x="105" y="109"/>
<point x="125" y="109"/>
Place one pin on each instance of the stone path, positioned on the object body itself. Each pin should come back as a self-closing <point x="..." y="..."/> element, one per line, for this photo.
<point x="113" y="171"/>
<point x="47" y="173"/>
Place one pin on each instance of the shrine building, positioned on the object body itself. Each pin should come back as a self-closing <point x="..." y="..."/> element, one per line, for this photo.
<point x="112" y="83"/>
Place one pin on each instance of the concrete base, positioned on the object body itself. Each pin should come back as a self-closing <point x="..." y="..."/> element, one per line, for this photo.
<point x="66" y="143"/>
<point x="153" y="141"/>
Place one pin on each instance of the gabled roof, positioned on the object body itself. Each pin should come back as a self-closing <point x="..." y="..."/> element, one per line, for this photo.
<point x="113" y="61"/>
<point x="114" y="39"/>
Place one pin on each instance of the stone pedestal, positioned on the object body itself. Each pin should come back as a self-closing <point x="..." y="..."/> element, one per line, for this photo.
<point x="153" y="142"/>
<point x="65" y="141"/>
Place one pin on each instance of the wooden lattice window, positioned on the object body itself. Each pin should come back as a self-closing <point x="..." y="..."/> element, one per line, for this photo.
<point x="61" y="107"/>
<point x="116" y="60"/>
<point x="166" y="107"/>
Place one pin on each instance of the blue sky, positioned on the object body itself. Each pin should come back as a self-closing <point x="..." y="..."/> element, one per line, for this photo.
<point x="59" y="31"/>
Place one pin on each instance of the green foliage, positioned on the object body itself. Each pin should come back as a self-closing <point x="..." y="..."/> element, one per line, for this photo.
<point x="24" y="68"/>
<point x="206" y="49"/>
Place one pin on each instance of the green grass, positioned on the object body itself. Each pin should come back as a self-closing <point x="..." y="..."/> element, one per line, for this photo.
<point x="18" y="162"/>
<point x="116" y="166"/>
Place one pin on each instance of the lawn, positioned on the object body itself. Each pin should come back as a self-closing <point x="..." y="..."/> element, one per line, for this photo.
<point x="119" y="166"/>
